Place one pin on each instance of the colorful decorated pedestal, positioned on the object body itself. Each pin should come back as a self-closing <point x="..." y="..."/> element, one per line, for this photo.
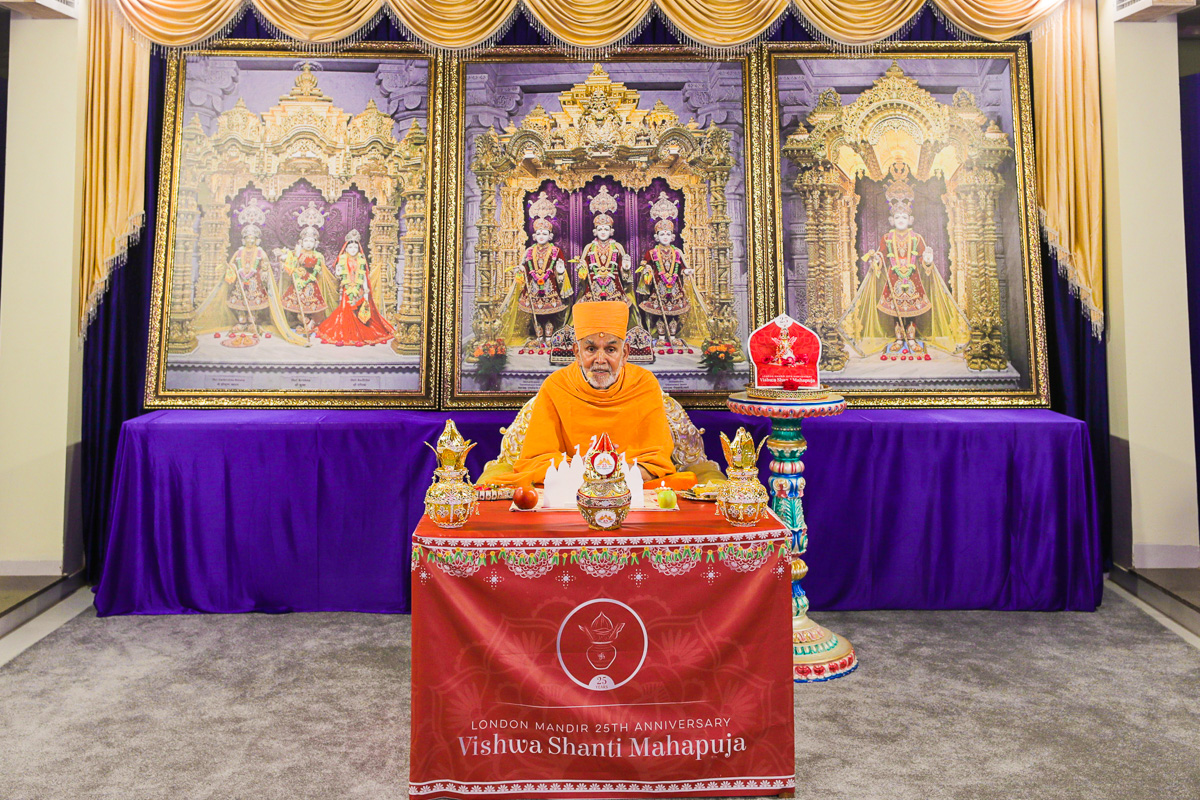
<point x="818" y="654"/>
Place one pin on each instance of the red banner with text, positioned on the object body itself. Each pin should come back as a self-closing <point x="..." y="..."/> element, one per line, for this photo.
<point x="627" y="671"/>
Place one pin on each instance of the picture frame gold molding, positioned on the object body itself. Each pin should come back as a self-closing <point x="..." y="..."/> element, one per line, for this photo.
<point x="770" y="206"/>
<point x="454" y="166"/>
<point x="445" y="228"/>
<point x="424" y="341"/>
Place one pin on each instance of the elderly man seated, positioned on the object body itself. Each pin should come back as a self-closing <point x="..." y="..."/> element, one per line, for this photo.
<point x="598" y="393"/>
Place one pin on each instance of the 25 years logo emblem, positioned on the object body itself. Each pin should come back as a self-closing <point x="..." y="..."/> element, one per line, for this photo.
<point x="602" y="644"/>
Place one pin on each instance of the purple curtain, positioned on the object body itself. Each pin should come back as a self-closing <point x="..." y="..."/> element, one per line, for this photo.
<point x="114" y="355"/>
<point x="1189" y="108"/>
<point x="5" y="17"/>
<point x="1079" y="381"/>
<point x="115" y="352"/>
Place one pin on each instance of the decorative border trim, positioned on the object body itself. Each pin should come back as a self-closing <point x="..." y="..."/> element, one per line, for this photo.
<point x="602" y="562"/>
<point x="575" y="542"/>
<point x="818" y="673"/>
<point x="782" y="409"/>
<point x="521" y="788"/>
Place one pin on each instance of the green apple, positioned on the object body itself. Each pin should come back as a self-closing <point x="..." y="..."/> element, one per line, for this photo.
<point x="666" y="498"/>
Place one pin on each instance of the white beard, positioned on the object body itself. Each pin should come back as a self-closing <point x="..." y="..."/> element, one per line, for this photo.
<point x="602" y="380"/>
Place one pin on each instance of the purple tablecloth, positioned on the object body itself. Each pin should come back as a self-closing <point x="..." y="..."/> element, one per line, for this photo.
<point x="254" y="510"/>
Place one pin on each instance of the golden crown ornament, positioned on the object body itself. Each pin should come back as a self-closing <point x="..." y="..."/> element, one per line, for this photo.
<point x="252" y="213"/>
<point x="743" y="500"/>
<point x="311" y="216"/>
<point x="664" y="208"/>
<point x="603" y="206"/>
<point x="604" y="497"/>
<point x="543" y="207"/>
<point x="451" y="498"/>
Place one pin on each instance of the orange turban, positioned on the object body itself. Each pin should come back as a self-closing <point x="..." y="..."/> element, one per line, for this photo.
<point x="608" y="316"/>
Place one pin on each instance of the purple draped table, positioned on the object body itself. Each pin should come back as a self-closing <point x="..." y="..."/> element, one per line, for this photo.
<point x="257" y="510"/>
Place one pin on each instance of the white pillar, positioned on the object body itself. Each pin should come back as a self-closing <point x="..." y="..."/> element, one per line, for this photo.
<point x="40" y="357"/>
<point x="1149" y="391"/>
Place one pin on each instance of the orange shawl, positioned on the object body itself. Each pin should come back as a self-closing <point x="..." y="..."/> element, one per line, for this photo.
<point x="569" y="412"/>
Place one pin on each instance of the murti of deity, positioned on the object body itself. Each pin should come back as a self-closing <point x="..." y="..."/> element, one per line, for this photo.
<point x="903" y="296"/>
<point x="604" y="266"/>
<point x="546" y="285"/>
<point x="661" y="289"/>
<point x="784" y="355"/>
<point x="247" y="277"/>
<point x="310" y="292"/>
<point x="356" y="320"/>
<point x="904" y="288"/>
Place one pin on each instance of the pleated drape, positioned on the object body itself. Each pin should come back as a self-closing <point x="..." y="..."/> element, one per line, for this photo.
<point x="858" y="22"/>
<point x="453" y="24"/>
<point x="1070" y="166"/>
<point x="176" y="23"/>
<point x="114" y="152"/>
<point x="1064" y="53"/>
<point x="997" y="20"/>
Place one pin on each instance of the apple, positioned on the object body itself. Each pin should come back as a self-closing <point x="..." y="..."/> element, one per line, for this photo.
<point x="525" y="497"/>
<point x="667" y="498"/>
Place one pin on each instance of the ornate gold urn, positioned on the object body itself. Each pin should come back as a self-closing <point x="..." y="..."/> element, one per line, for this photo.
<point x="450" y="498"/>
<point x="604" y="496"/>
<point x="742" y="499"/>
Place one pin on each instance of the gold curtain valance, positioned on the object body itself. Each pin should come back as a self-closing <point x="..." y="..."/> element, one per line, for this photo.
<point x="589" y="24"/>
<point x="1065" y="79"/>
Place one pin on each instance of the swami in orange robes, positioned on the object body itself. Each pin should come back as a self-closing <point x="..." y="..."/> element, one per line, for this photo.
<point x="569" y="412"/>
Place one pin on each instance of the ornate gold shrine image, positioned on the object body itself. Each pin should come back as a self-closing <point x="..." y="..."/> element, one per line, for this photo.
<point x="299" y="231"/>
<point x="617" y="181"/>
<point x="906" y="230"/>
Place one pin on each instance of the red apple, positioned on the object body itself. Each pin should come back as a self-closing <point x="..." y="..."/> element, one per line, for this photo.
<point x="525" y="497"/>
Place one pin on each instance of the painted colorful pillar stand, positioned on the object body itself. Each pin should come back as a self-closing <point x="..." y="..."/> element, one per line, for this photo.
<point x="818" y="654"/>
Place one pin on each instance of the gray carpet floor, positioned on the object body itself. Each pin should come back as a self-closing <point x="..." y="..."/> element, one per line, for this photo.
<point x="956" y="705"/>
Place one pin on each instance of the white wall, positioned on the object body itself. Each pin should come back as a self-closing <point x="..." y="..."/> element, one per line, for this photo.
<point x="1150" y="393"/>
<point x="40" y="357"/>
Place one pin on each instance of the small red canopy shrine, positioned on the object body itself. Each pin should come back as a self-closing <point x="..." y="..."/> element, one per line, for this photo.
<point x="786" y="355"/>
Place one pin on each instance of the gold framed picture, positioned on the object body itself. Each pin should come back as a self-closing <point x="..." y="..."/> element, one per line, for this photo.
<point x="625" y="180"/>
<point x="902" y="208"/>
<point x="298" y="218"/>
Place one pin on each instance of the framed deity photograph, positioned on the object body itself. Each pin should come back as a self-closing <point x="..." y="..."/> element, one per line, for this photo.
<point x="571" y="181"/>
<point x="297" y="221"/>
<point x="905" y="220"/>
